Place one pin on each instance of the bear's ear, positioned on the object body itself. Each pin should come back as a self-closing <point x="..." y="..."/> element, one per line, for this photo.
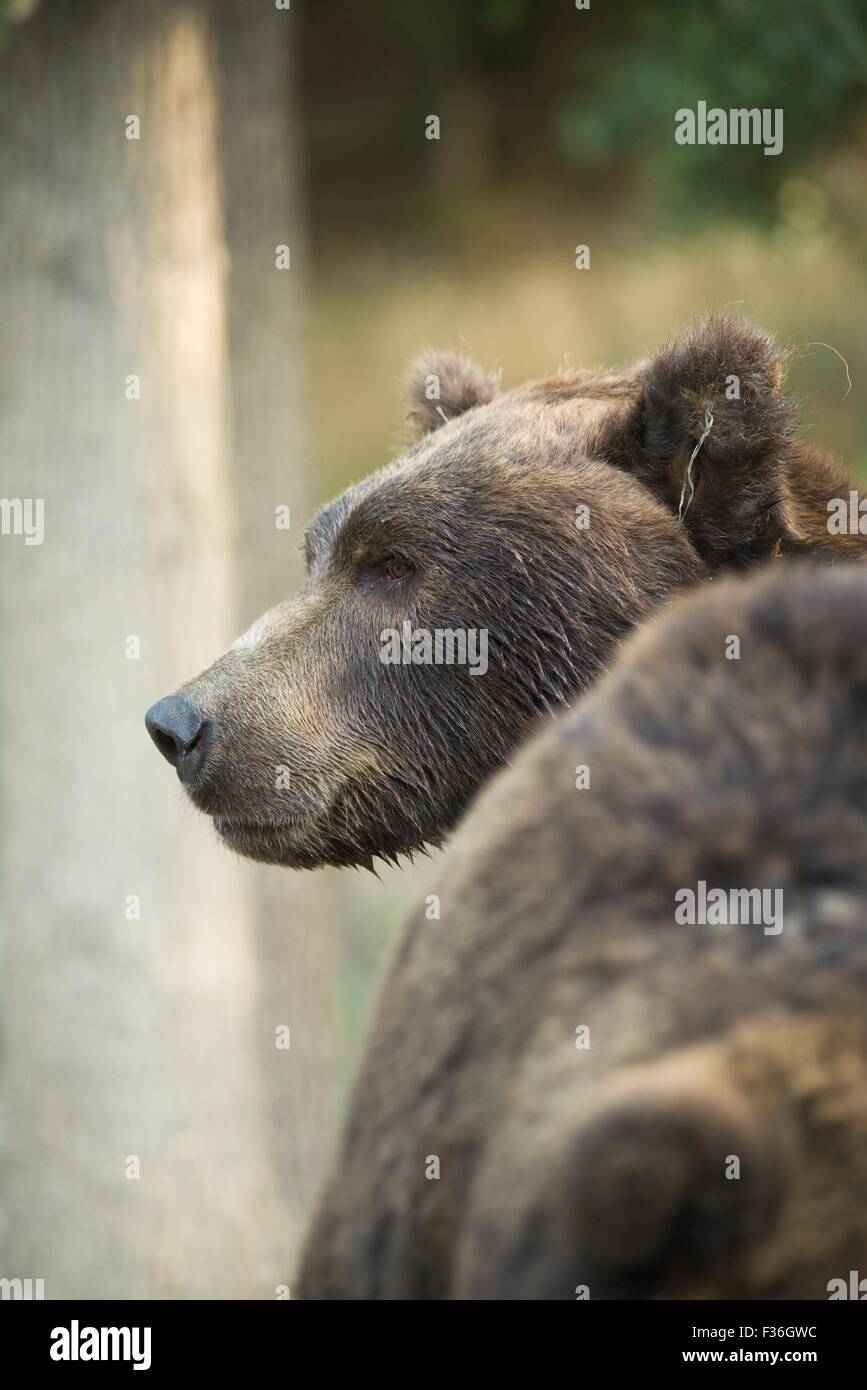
<point x="710" y="433"/>
<point x="441" y="385"/>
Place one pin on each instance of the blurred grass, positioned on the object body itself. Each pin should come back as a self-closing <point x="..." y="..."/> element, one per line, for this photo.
<point x="370" y="911"/>
<point x="529" y="311"/>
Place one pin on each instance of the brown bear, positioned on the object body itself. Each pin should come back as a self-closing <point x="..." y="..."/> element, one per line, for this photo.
<point x="484" y="579"/>
<point x="582" y="1082"/>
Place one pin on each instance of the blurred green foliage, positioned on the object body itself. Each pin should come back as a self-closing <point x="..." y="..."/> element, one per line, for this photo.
<point x="530" y="87"/>
<point x="808" y="59"/>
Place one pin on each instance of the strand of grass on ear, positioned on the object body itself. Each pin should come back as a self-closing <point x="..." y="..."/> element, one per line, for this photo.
<point x="682" y="510"/>
<point x="831" y="348"/>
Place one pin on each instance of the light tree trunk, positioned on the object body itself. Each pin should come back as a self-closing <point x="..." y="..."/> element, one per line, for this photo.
<point x="296" y="943"/>
<point x="149" y="1039"/>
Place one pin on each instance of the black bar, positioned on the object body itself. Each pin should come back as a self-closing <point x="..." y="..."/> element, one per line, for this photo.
<point x="233" y="1338"/>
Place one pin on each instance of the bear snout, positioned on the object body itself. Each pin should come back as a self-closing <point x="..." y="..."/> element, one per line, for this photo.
<point x="181" y="734"/>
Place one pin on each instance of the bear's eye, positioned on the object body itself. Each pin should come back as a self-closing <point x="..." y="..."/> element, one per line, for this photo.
<point x="396" y="567"/>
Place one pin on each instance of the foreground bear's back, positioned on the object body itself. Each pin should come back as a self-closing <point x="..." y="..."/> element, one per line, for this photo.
<point x="564" y="1165"/>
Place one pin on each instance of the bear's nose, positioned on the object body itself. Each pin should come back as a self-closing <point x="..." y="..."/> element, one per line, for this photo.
<point x="180" y="733"/>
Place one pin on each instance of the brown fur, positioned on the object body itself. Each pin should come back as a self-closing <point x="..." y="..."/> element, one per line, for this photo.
<point x="318" y="753"/>
<point x="606" y="1167"/>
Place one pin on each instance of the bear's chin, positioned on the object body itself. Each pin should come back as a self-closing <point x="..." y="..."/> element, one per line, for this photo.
<point x="281" y="845"/>
<point x="291" y="847"/>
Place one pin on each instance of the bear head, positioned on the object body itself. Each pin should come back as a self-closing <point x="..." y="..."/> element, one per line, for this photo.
<point x="480" y="581"/>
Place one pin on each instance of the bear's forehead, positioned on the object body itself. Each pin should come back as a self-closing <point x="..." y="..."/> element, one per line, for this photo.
<point x="512" y="443"/>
